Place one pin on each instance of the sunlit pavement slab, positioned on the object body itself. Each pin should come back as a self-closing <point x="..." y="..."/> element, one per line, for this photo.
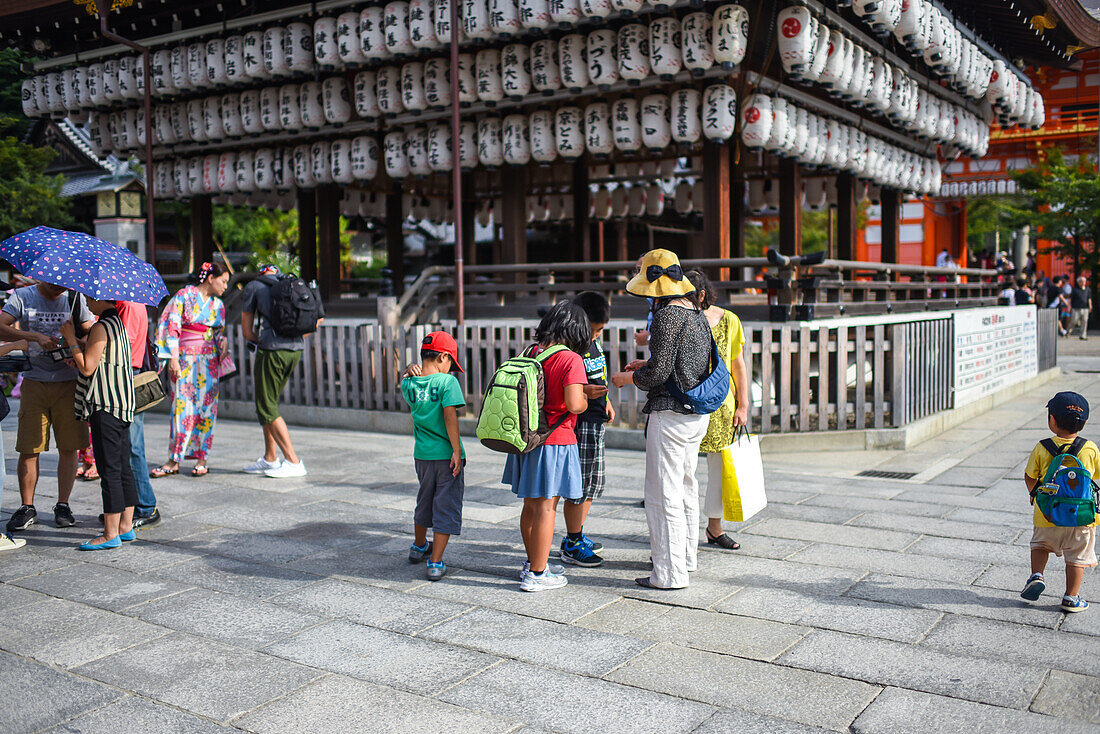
<point x="288" y="605"/>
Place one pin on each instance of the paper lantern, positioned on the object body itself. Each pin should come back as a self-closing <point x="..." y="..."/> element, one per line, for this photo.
<point x="232" y="124"/>
<point x="177" y="112"/>
<point x="65" y="87"/>
<point x="230" y="71"/>
<point x="545" y="74"/>
<point x="535" y="14"/>
<point x="416" y="150"/>
<point x="686" y="124"/>
<point x="177" y="68"/>
<point x="249" y="102"/>
<point x="299" y="47"/>
<point x="490" y="146"/>
<point x="269" y="108"/>
<point x="517" y="140"/>
<point x="820" y="55"/>
<point x="396" y="26"/>
<point x="348" y="47"/>
<point x="596" y="10"/>
<point x="782" y="133"/>
<point x="467" y="145"/>
<point x="214" y="64"/>
<point x="572" y="57"/>
<point x="695" y="32"/>
<point x="504" y="17"/>
<point x="656" y="130"/>
<point x="847" y="69"/>
<point x="800" y="131"/>
<point x="730" y="35"/>
<point x="475" y="19"/>
<point x="387" y="90"/>
<point x="654" y="201"/>
<point x="569" y="135"/>
<point x="597" y="129"/>
<point x="29" y="97"/>
<point x="196" y="127"/>
<point x="366" y="103"/>
<point x="682" y="200"/>
<point x="664" y="48"/>
<point x="719" y="112"/>
<point x="490" y="86"/>
<point x="243" y="173"/>
<point x="412" y="87"/>
<point x="393" y="154"/>
<point x="440" y="152"/>
<point x="756" y="126"/>
<point x="210" y="174"/>
<point x="276" y="63"/>
<point x="633" y="48"/>
<point x="515" y="63"/>
<point x="467" y="83"/>
<point x="626" y="124"/>
<point x="437" y="91"/>
<point x="302" y="166"/>
<point x="796" y="39"/>
<point x="565" y="13"/>
<point x="109" y="82"/>
<point x="627" y="7"/>
<point x="422" y="25"/>
<point x="364" y="158"/>
<point x="337" y="100"/>
<point x="603" y="62"/>
<point x="252" y="56"/>
<point x="833" y="71"/>
<point x="161" y="67"/>
<point x="128" y="127"/>
<point x="601" y="203"/>
<point x="227" y="173"/>
<point x="196" y="65"/>
<point x="540" y="125"/>
<point x="635" y="196"/>
<point x="127" y="82"/>
<point x="311" y="98"/>
<point x="882" y="87"/>
<point x="163" y="134"/>
<point x="372" y="33"/>
<point x="441" y="15"/>
<point x="292" y="102"/>
<point x="195" y="175"/>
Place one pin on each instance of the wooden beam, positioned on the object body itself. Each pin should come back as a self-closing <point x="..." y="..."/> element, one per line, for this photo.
<point x="395" y="240"/>
<point x="202" y="230"/>
<point x="891" y="225"/>
<point x="582" y="232"/>
<point x="716" y="203"/>
<point x="514" y="219"/>
<point x="328" y="240"/>
<point x="790" y="207"/>
<point x="847" y="217"/>
<point x="307" y="234"/>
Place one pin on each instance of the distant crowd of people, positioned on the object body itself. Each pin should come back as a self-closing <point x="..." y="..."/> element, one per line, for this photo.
<point x="1072" y="299"/>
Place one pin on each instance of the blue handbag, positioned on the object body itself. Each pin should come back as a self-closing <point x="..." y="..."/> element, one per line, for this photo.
<point x="708" y="395"/>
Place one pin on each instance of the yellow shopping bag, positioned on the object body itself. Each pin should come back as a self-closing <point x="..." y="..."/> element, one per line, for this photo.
<point x="742" y="479"/>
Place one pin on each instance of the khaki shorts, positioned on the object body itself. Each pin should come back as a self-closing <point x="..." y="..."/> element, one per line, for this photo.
<point x="1078" y="545"/>
<point x="45" y="404"/>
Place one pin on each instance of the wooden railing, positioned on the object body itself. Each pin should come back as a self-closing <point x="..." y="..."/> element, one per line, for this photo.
<point x="829" y="375"/>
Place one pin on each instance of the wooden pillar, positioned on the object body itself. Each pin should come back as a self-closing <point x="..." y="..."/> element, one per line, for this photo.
<point x="328" y="240"/>
<point x="737" y="204"/>
<point x="891" y="225"/>
<point x="202" y="231"/>
<point x="582" y="232"/>
<point x="469" y="219"/>
<point x="514" y="219"/>
<point x="621" y="240"/>
<point x="847" y="217"/>
<point x="716" y="203"/>
<point x="395" y="240"/>
<point x="307" y="234"/>
<point x="790" y="207"/>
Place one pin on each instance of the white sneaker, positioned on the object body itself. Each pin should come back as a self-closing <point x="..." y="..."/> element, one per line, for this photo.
<point x="261" y="465"/>
<point x="9" y="543"/>
<point x="555" y="568"/>
<point x="287" y="469"/>
<point x="542" y="581"/>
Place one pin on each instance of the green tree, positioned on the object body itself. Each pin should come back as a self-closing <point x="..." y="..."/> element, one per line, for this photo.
<point x="28" y="197"/>
<point x="1061" y="200"/>
<point x="991" y="218"/>
<point x="12" y="121"/>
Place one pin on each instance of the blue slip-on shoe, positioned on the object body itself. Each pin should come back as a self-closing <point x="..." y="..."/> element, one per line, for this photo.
<point x="1034" y="587"/>
<point x="105" y="545"/>
<point x="1071" y="604"/>
<point x="417" y="553"/>
<point x="436" y="571"/>
<point x="578" y="554"/>
<point x="128" y="536"/>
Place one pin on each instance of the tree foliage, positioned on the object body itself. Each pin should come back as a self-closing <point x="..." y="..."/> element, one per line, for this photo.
<point x="28" y="197"/>
<point x="992" y="218"/>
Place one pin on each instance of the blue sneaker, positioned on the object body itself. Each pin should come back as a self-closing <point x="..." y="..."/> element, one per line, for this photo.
<point x="128" y="536"/>
<point x="578" y="554"/>
<point x="1034" y="587"/>
<point x="591" y="544"/>
<point x="417" y="553"/>
<point x="1071" y="604"/>
<point x="436" y="571"/>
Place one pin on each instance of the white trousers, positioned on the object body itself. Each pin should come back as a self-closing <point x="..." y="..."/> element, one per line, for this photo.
<point x="712" y="504"/>
<point x="672" y="494"/>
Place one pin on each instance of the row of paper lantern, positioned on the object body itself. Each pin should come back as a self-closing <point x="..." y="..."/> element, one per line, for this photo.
<point x="786" y="129"/>
<point x="573" y="62"/>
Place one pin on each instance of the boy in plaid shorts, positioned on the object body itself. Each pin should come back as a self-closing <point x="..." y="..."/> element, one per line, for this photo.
<point x="576" y="547"/>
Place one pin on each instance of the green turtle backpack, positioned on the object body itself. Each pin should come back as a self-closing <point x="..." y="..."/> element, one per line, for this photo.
<point x="512" y="418"/>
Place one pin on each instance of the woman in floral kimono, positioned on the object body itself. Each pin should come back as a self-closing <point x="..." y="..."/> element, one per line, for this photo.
<point x="187" y="337"/>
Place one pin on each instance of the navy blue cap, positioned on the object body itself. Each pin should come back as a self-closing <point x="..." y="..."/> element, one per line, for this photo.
<point x="1069" y="405"/>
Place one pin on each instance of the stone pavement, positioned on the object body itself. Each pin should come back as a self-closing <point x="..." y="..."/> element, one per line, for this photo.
<point x="288" y="606"/>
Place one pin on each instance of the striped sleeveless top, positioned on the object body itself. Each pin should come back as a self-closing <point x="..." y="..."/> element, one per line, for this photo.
<point x="111" y="387"/>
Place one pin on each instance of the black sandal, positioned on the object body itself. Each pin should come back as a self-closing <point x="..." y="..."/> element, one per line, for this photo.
<point x="723" y="541"/>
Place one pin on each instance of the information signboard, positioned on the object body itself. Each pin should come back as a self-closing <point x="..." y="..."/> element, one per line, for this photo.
<point x="994" y="348"/>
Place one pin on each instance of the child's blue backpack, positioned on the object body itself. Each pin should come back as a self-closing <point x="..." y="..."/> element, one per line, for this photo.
<point x="1067" y="495"/>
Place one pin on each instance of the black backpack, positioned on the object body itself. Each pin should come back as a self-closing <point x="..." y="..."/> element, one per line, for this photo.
<point x="295" y="307"/>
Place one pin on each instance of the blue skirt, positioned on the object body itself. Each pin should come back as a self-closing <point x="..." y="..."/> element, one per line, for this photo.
<point x="547" y="471"/>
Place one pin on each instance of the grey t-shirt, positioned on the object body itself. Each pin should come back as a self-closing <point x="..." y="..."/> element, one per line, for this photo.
<point x="36" y="313"/>
<point x="257" y="300"/>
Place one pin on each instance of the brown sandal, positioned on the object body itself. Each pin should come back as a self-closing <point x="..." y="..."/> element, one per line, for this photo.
<point x="163" y="471"/>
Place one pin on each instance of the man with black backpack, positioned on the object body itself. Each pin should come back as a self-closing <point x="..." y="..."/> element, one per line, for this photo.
<point x="286" y="308"/>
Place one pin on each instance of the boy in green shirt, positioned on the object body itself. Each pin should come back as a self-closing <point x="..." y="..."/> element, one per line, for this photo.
<point x="434" y="395"/>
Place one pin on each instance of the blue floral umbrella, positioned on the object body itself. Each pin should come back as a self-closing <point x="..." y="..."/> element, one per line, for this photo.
<point x="86" y="264"/>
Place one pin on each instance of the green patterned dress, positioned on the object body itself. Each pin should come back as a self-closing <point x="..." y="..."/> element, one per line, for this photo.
<point x="730" y="337"/>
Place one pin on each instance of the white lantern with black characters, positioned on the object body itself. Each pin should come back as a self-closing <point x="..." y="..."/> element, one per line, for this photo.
<point x="372" y="33"/>
<point x="387" y="90"/>
<point x="540" y="125"/>
<point x="299" y="47"/>
<point x="686" y="125"/>
<point x="412" y="87"/>
<point x="515" y="63"/>
<point x="565" y="13"/>
<point x="504" y="17"/>
<point x="325" y="47"/>
<point x="517" y="140"/>
<point x="596" y="10"/>
<point x="337" y="100"/>
<point x="695" y="33"/>
<point x="274" y="50"/>
<point x="603" y="62"/>
<point x="569" y="133"/>
<point x="598" y="137"/>
<point x="756" y="127"/>
<point x="232" y="124"/>
<point x="396" y="19"/>
<point x="440" y="151"/>
<point x="364" y="158"/>
<point x="490" y="146"/>
<point x="490" y="86"/>
<point x="347" y="39"/>
<point x="422" y="25"/>
<point x="475" y="19"/>
<point x="730" y="35"/>
<point x="441" y="16"/>
<point x="416" y="150"/>
<point x="393" y="154"/>
<point x="311" y="98"/>
<point x="664" y="48"/>
<point x="626" y="124"/>
<point x="633" y="48"/>
<point x="545" y="74"/>
<point x="656" y="130"/>
<point x="252" y="56"/>
<point x="572" y="58"/>
<point x="719" y="112"/>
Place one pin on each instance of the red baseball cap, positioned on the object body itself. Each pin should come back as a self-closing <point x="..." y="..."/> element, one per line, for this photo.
<point x="444" y="343"/>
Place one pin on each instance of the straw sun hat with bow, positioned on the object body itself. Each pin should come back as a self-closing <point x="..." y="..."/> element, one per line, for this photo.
<point x="660" y="276"/>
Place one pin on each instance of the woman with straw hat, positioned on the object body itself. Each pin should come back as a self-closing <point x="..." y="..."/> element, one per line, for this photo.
<point x="680" y="348"/>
